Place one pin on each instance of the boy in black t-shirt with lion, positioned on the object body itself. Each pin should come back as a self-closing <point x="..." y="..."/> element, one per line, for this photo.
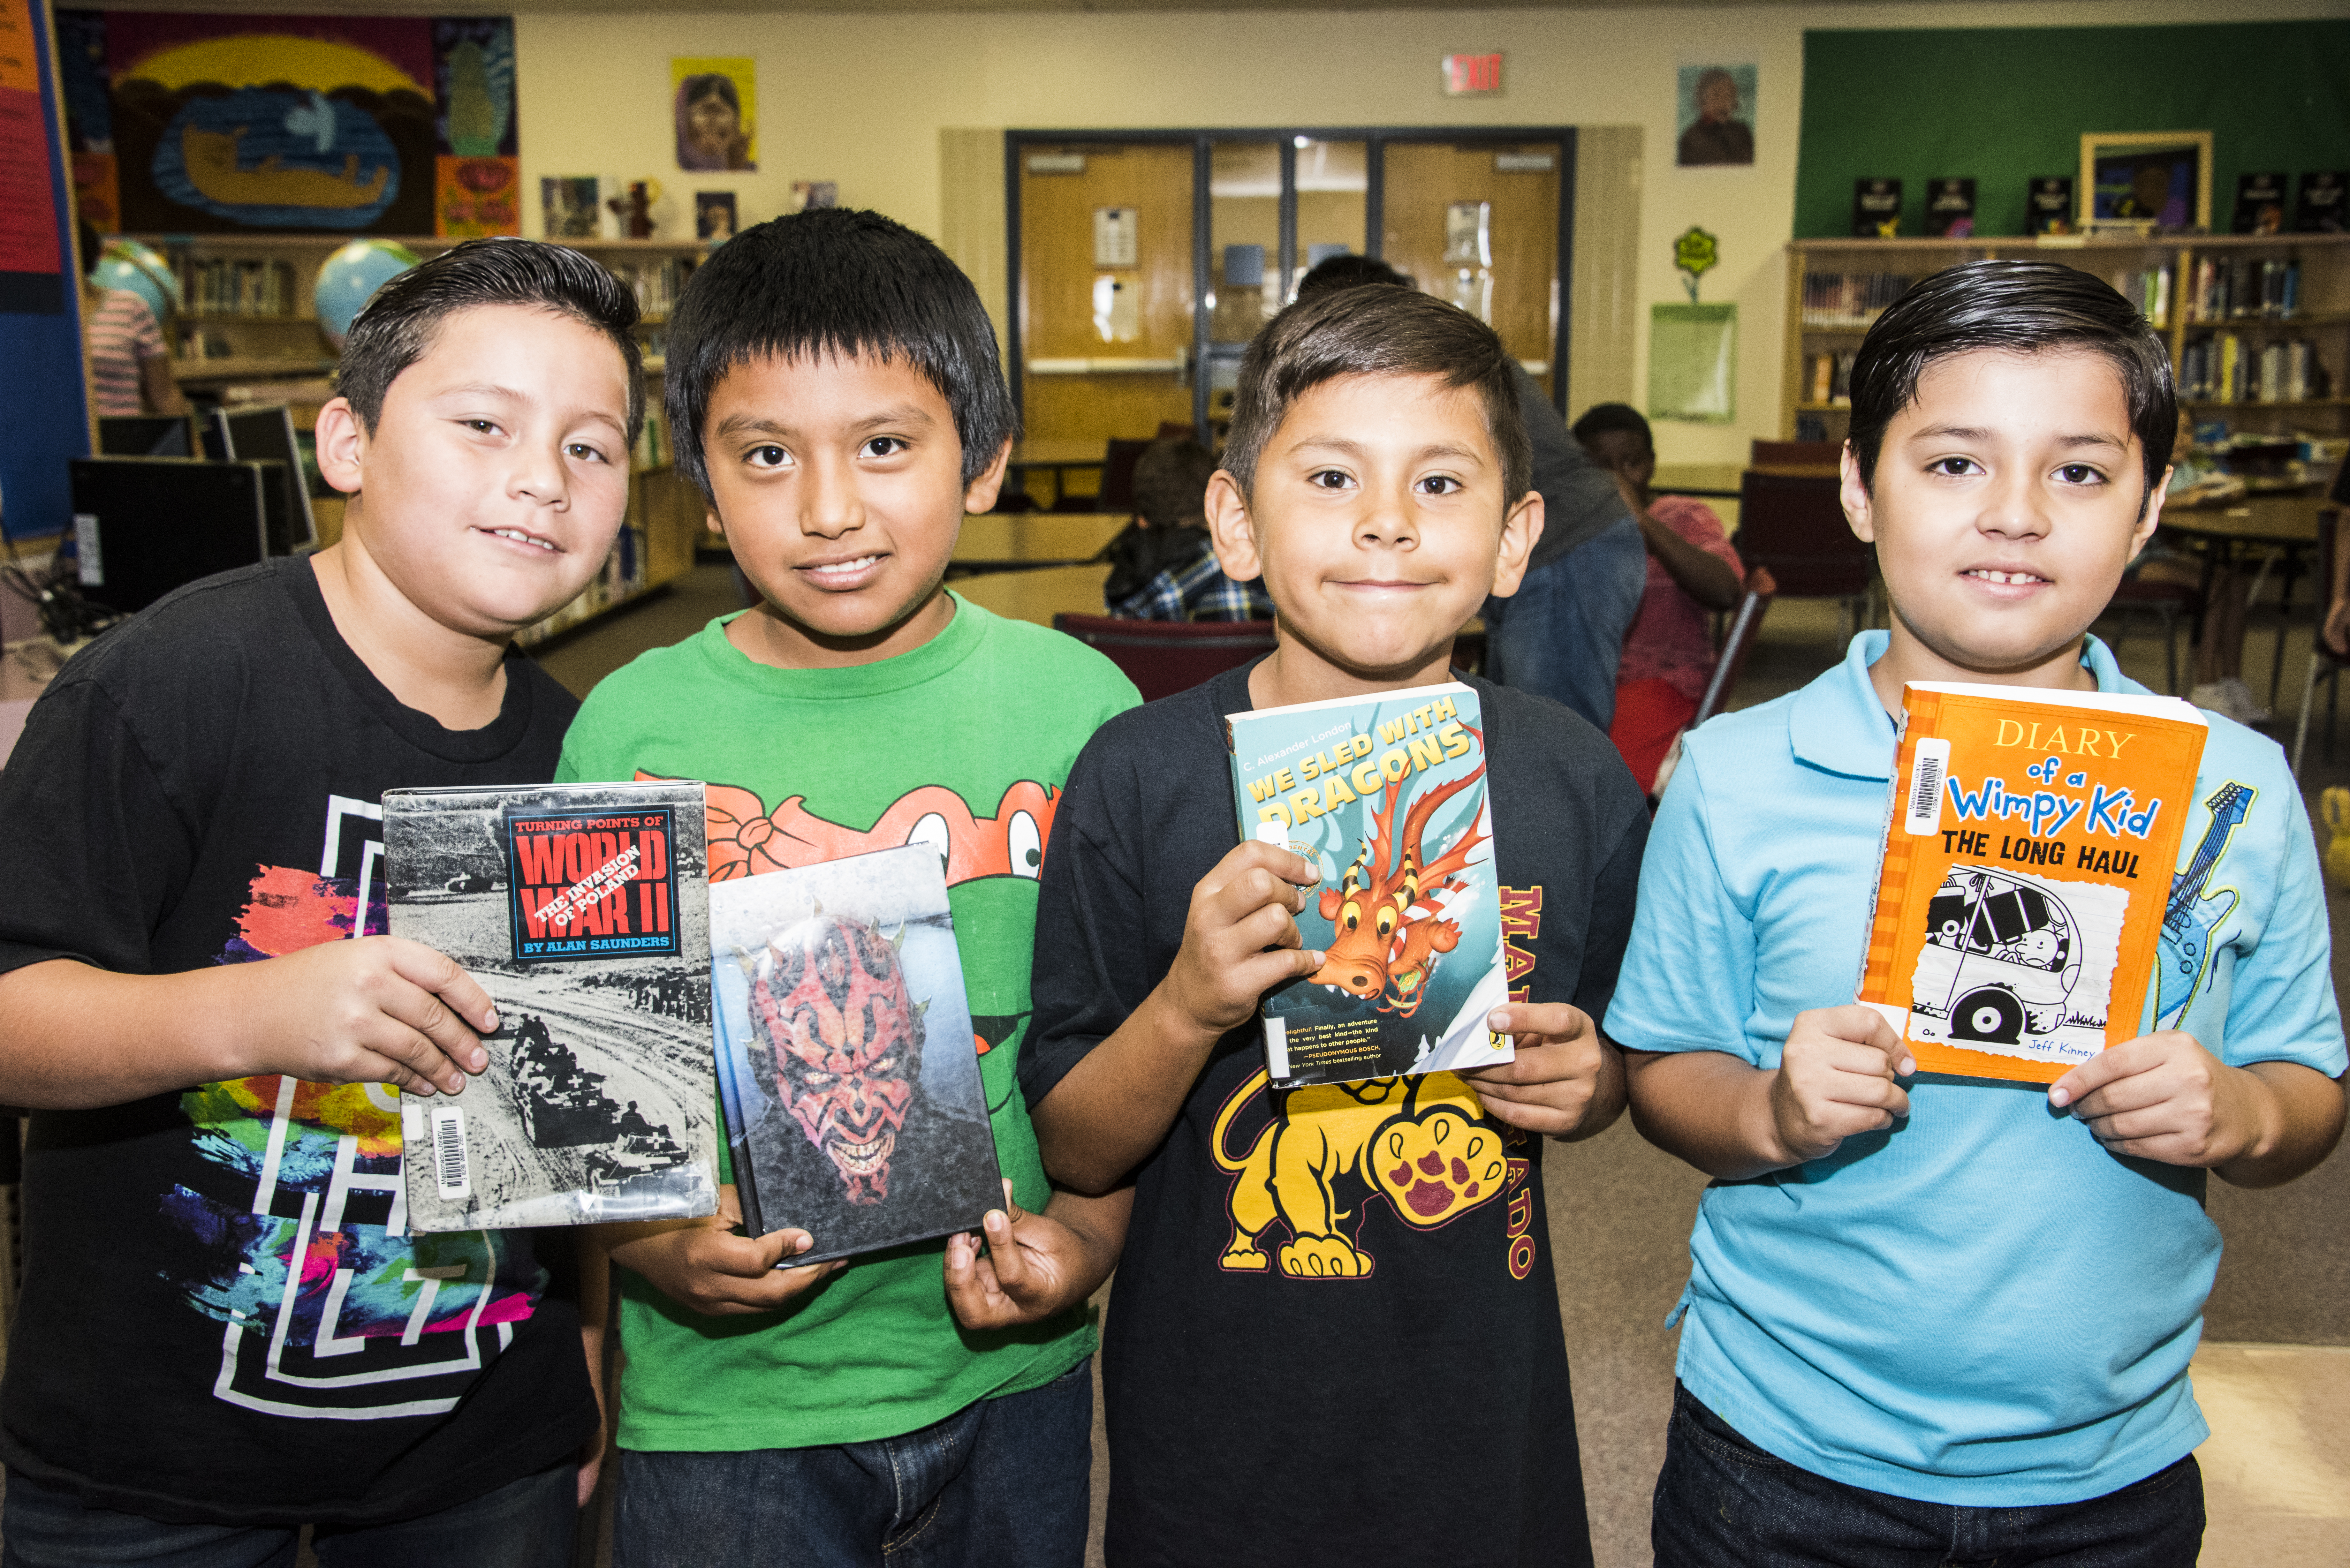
<point x="227" y="1331"/>
<point x="1297" y="1368"/>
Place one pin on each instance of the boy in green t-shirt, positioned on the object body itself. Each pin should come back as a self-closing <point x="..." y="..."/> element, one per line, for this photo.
<point x="834" y="392"/>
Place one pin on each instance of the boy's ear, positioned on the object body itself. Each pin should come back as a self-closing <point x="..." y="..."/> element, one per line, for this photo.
<point x="1522" y="529"/>
<point x="1230" y="530"/>
<point x="981" y="492"/>
<point x="343" y="445"/>
<point x="1859" y="506"/>
<point x="2150" y="514"/>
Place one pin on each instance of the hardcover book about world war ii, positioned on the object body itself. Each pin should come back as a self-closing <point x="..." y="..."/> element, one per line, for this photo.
<point x="846" y="1056"/>
<point x="2027" y="880"/>
<point x="583" y="910"/>
<point x="1387" y="795"/>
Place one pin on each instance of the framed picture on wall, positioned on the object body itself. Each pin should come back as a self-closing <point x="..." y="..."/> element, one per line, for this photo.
<point x="2147" y="179"/>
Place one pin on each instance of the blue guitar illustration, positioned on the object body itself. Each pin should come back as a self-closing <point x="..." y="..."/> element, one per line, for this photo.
<point x="2185" y="947"/>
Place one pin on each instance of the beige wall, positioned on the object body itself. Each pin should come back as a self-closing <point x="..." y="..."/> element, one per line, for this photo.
<point x="863" y="99"/>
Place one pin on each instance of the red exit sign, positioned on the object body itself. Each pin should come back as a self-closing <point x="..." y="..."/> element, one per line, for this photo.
<point x="1467" y="76"/>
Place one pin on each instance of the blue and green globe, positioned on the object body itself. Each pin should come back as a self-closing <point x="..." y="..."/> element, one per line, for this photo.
<point x="127" y="264"/>
<point x="349" y="279"/>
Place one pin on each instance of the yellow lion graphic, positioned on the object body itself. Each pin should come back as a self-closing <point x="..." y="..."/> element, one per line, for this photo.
<point x="1421" y="1141"/>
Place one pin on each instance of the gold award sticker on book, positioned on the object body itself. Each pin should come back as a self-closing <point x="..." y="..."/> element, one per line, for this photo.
<point x="2026" y="882"/>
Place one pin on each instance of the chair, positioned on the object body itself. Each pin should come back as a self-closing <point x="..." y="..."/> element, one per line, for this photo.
<point x="1794" y="453"/>
<point x="2165" y="602"/>
<point x="1793" y="525"/>
<point x="2324" y="663"/>
<point x="1164" y="657"/>
<point x="1729" y="662"/>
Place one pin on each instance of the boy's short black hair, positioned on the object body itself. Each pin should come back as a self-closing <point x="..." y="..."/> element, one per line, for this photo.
<point x="1348" y="272"/>
<point x="1171" y="481"/>
<point x="1374" y="332"/>
<point x="2023" y="307"/>
<point x="835" y="281"/>
<point x="1600" y="418"/>
<point x="398" y="327"/>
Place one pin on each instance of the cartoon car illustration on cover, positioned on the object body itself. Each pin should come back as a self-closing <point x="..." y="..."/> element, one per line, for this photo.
<point x="2002" y="958"/>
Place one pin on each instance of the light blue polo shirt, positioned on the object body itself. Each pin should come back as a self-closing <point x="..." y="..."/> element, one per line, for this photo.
<point x="1981" y="1306"/>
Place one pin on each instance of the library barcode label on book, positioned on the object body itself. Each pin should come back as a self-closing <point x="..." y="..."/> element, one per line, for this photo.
<point x="453" y="1173"/>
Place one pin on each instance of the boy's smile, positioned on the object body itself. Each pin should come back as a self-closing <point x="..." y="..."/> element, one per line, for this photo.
<point x="498" y="470"/>
<point x="838" y="483"/>
<point x="1377" y="520"/>
<point x="2006" y="502"/>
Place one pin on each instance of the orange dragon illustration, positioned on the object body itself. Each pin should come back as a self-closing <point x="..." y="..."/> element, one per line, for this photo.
<point x="1386" y="939"/>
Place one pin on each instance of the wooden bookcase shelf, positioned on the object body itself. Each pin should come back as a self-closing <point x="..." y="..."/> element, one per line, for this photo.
<point x="2323" y="314"/>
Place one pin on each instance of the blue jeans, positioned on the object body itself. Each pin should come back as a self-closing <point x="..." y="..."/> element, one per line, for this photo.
<point x="527" y="1524"/>
<point x="1562" y="634"/>
<point x="1000" y="1482"/>
<point x="1720" y="1499"/>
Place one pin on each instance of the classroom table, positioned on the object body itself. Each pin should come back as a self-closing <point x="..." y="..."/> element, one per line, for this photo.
<point x="1040" y="594"/>
<point x="998" y="541"/>
<point x="1058" y="455"/>
<point x="2280" y="525"/>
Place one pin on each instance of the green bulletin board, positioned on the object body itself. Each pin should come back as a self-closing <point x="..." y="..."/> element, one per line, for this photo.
<point x="2005" y="104"/>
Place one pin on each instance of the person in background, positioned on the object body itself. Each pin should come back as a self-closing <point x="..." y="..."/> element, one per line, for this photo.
<point x="130" y="363"/>
<point x="1718" y="135"/>
<point x="2219" y="675"/>
<point x="1561" y="634"/>
<point x="1163" y="567"/>
<point x="1692" y="570"/>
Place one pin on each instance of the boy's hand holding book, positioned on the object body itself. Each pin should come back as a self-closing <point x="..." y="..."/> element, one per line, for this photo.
<point x="2163" y="1096"/>
<point x="1240" y="939"/>
<point x="1035" y="1264"/>
<point x="1836" y="1077"/>
<point x="1566" y="1081"/>
<point x="702" y="1264"/>
<point x="379" y="1009"/>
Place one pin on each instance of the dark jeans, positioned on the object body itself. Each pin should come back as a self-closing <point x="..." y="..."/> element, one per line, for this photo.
<point x="1561" y="635"/>
<point x="1720" y="1499"/>
<point x="527" y="1524"/>
<point x="1000" y="1482"/>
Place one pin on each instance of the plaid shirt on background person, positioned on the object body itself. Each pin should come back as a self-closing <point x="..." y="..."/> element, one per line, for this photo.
<point x="1200" y="591"/>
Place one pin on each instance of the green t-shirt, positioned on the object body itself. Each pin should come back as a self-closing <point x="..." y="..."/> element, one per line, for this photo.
<point x="964" y="742"/>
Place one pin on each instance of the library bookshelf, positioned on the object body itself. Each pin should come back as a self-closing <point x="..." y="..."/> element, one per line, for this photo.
<point x="249" y="333"/>
<point x="2201" y="290"/>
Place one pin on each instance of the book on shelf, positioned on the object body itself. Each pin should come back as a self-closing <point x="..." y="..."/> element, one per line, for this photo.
<point x="1386" y="794"/>
<point x="1950" y="209"/>
<point x="2148" y="289"/>
<point x="2260" y="204"/>
<point x="1850" y="300"/>
<point x="2320" y="210"/>
<point x="656" y="284"/>
<point x="227" y="286"/>
<point x="571" y="206"/>
<point x="2230" y="288"/>
<point x="2048" y="206"/>
<point x="846" y="1062"/>
<point x="582" y="911"/>
<point x="1827" y="377"/>
<point x="2025" y="878"/>
<point x="1876" y="208"/>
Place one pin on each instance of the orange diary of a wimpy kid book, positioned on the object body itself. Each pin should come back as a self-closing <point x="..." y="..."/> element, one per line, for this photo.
<point x="2030" y="842"/>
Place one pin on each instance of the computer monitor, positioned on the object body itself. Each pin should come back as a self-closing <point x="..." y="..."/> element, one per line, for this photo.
<point x="265" y="431"/>
<point x="145" y="526"/>
<point x="144" y="435"/>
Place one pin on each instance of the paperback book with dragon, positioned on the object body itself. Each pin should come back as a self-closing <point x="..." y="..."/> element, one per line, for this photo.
<point x="1386" y="794"/>
<point x="582" y="910"/>
<point x="846" y="1057"/>
<point x="2027" y="882"/>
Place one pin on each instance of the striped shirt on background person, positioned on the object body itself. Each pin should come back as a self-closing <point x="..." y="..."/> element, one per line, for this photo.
<point x="122" y="334"/>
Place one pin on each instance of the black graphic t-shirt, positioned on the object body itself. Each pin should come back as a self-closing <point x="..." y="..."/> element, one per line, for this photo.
<point x="1307" y="1359"/>
<point x="224" y="1317"/>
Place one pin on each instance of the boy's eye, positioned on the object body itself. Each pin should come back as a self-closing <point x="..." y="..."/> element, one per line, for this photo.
<point x="885" y="446"/>
<point x="1329" y="479"/>
<point x="1954" y="467"/>
<point x="2080" y="474"/>
<point x="766" y="457"/>
<point x="480" y="427"/>
<point x="584" y="451"/>
<point x="1440" y="485"/>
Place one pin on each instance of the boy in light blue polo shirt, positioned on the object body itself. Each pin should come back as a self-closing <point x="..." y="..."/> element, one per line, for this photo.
<point x="1933" y="1320"/>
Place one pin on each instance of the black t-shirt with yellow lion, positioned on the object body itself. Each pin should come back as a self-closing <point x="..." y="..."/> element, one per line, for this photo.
<point x="1308" y="1359"/>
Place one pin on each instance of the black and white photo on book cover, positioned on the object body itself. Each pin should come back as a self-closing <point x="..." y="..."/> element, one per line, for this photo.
<point x="583" y="910"/>
<point x="846" y="1056"/>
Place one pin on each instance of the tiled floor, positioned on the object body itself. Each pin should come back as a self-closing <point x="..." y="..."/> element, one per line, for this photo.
<point x="2276" y="1470"/>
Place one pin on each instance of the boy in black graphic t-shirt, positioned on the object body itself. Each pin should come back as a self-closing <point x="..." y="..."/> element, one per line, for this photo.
<point x="227" y="1331"/>
<point x="1297" y="1368"/>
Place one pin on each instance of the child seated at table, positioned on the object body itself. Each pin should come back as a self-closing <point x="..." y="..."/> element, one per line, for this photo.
<point x="1163" y="567"/>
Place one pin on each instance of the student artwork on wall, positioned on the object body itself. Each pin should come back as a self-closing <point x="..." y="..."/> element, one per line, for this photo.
<point x="714" y="106"/>
<point x="1716" y="115"/>
<point x="1693" y="363"/>
<point x="2141" y="178"/>
<point x="295" y="123"/>
<point x="713" y="214"/>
